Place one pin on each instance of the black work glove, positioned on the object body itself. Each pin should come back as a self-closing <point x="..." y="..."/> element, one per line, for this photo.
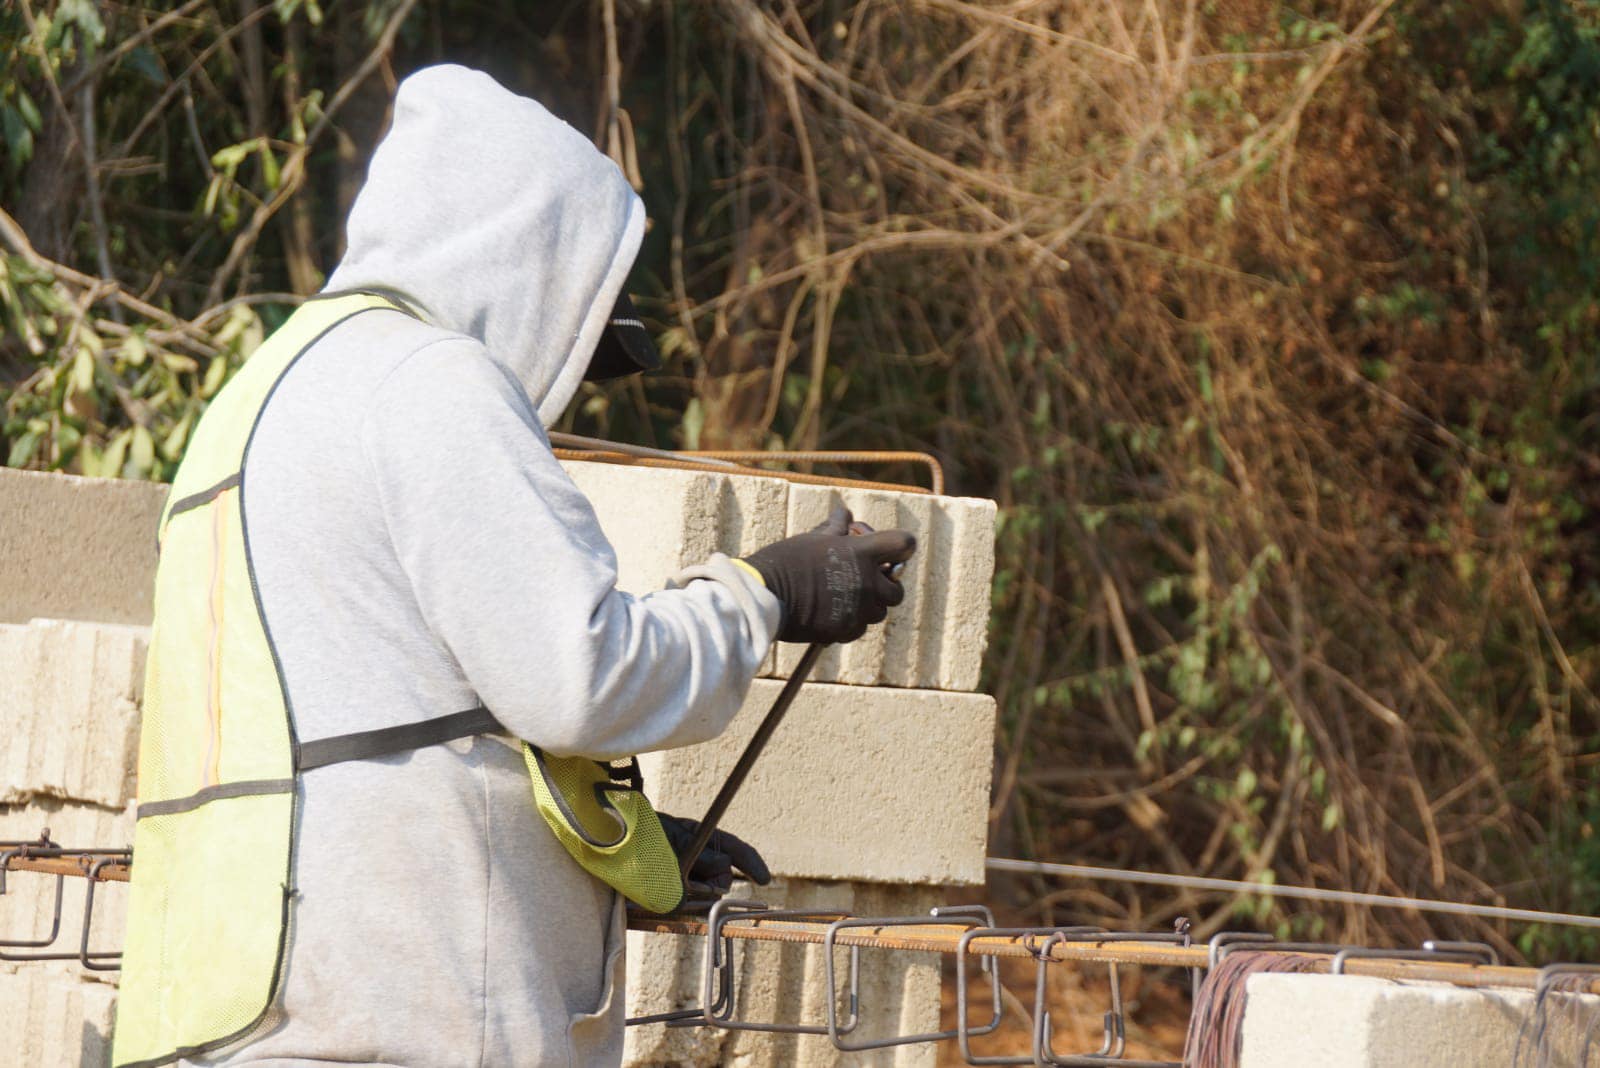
<point x="721" y="856"/>
<point x="834" y="584"/>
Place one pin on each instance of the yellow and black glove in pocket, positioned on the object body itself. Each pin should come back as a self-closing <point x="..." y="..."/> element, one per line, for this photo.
<point x="600" y="815"/>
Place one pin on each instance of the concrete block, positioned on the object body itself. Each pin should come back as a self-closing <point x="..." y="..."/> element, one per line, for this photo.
<point x="661" y="520"/>
<point x="53" y="1022"/>
<point x="27" y="907"/>
<point x="861" y="783"/>
<point x="936" y="638"/>
<point x="16" y="689"/>
<point x="70" y="712"/>
<point x="77" y="548"/>
<point x="787" y="984"/>
<point x="862" y="661"/>
<point x="1348" y="1021"/>
<point x="962" y="556"/>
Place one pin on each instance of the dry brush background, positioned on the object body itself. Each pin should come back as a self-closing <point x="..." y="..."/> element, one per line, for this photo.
<point x="1270" y="325"/>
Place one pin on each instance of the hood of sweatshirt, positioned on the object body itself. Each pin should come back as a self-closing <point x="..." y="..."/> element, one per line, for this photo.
<point x="498" y="221"/>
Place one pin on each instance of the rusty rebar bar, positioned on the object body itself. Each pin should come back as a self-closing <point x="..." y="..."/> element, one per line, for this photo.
<point x="743" y="461"/>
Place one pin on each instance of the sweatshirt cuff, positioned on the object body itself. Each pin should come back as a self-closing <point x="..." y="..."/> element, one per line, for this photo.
<point x="760" y="605"/>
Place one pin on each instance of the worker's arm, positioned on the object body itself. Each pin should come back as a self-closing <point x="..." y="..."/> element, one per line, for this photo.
<point x="513" y="575"/>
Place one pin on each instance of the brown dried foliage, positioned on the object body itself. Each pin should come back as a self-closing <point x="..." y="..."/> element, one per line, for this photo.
<point x="1278" y="598"/>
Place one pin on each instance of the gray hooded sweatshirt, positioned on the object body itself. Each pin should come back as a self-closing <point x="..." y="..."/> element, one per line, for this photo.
<point x="419" y="551"/>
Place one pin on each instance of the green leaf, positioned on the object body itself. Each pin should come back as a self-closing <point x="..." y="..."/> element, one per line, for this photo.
<point x="269" y="165"/>
<point x="133" y="349"/>
<point x="694" y="420"/>
<point x="228" y="158"/>
<point x="214" y="376"/>
<point x="142" y="451"/>
<point x="83" y="15"/>
<point x="82" y="380"/>
<point x="23" y="448"/>
<point x="172" y="444"/>
<point x="180" y="363"/>
<point x="209" y="206"/>
<point x="115" y="455"/>
<point x="90" y="460"/>
<point x="238" y="325"/>
<point x="28" y="109"/>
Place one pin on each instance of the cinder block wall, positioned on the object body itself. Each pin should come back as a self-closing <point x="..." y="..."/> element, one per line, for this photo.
<point x="76" y="560"/>
<point x="871" y="799"/>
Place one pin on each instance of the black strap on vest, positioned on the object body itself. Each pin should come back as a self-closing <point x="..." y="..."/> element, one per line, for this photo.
<point x="386" y="741"/>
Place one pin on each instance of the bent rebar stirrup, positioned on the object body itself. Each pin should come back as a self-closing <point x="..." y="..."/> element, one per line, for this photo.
<point x="967" y="934"/>
<point x="47" y="857"/>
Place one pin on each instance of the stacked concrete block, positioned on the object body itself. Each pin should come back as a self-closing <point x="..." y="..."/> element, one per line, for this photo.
<point x="859" y="783"/>
<point x="53" y="1022"/>
<point x="660" y="521"/>
<point x="872" y="798"/>
<point x="826" y="803"/>
<point x="899" y="992"/>
<point x="77" y="562"/>
<point x="1348" y="1021"/>
<point x="70" y="711"/>
<point x="936" y="638"/>
<point x="77" y="548"/>
<point x="69" y="714"/>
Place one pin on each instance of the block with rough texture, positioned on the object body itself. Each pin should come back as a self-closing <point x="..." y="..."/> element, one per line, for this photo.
<point x="69" y="710"/>
<point x="1350" y="1021"/>
<point x="865" y="783"/>
<point x="27" y="906"/>
<point x="50" y="1021"/>
<point x="936" y="638"/>
<point x="962" y="543"/>
<point x="661" y="520"/>
<point x="787" y="984"/>
<point x="77" y="548"/>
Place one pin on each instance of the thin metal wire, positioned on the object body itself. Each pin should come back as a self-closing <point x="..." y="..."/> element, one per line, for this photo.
<point x="1307" y="893"/>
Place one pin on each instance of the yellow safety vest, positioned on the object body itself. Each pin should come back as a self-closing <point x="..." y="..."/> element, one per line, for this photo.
<point x="219" y="759"/>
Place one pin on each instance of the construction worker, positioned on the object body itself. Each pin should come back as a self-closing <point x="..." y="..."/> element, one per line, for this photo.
<point x="376" y="584"/>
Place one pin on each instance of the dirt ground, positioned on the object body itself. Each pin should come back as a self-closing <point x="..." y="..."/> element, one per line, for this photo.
<point x="1155" y="1002"/>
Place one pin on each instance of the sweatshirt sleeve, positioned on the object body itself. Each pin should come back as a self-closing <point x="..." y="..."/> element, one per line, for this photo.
<point x="513" y="575"/>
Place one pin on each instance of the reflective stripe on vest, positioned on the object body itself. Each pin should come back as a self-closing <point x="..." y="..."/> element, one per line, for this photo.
<point x="218" y="756"/>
